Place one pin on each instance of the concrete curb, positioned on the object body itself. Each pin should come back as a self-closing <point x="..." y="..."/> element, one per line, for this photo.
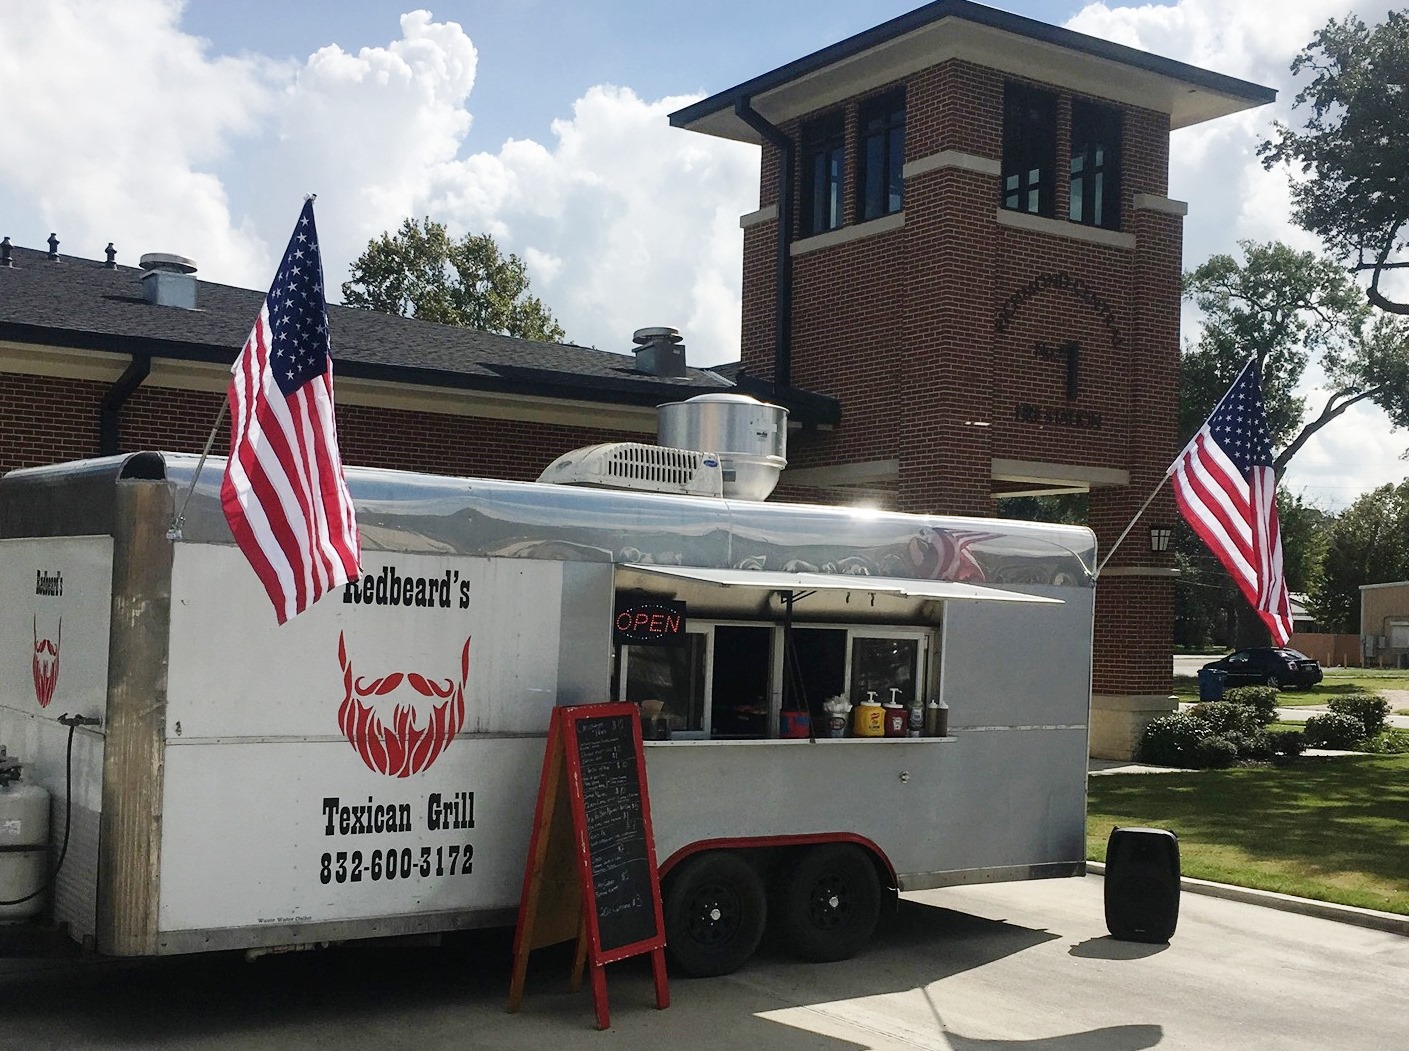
<point x="1389" y="922"/>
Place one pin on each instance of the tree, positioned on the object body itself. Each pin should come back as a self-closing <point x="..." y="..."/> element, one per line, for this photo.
<point x="1368" y="544"/>
<point x="421" y="272"/>
<point x="1353" y="151"/>
<point x="1286" y="306"/>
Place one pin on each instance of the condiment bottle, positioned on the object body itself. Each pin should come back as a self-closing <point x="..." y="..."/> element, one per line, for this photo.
<point x="894" y="715"/>
<point x="915" y="725"/>
<point x="868" y="717"/>
<point x="936" y="719"/>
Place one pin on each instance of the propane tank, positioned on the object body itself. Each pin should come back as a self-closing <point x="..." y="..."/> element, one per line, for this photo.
<point x="24" y="841"/>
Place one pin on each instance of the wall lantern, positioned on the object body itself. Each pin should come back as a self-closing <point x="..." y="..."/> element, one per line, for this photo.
<point x="1159" y="537"/>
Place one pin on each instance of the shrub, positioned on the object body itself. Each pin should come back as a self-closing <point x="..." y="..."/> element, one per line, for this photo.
<point x="1368" y="709"/>
<point x="1333" y="730"/>
<point x="1261" y="699"/>
<point x="1254" y="745"/>
<point x="1285" y="744"/>
<point x="1172" y="740"/>
<point x="1226" y="718"/>
<point x="1216" y="752"/>
<point x="1388" y="742"/>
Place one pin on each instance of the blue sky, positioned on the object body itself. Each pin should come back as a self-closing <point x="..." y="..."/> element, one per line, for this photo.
<point x="534" y="54"/>
<point x="197" y="127"/>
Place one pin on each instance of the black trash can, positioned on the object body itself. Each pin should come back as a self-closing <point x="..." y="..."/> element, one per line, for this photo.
<point x="1142" y="884"/>
<point x="1211" y="682"/>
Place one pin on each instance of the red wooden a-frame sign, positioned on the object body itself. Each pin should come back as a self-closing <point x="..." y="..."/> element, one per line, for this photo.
<point x="591" y="871"/>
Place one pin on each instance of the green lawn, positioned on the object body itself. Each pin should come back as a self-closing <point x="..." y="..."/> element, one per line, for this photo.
<point x="1330" y="829"/>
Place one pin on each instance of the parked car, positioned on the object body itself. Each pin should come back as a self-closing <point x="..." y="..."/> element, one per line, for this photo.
<point x="1268" y="666"/>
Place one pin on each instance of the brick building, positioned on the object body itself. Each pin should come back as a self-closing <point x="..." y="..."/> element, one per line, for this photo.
<point x="969" y="290"/>
<point x="964" y="236"/>
<point x="98" y="358"/>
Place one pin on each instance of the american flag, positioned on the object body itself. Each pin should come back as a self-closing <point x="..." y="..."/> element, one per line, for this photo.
<point x="1226" y="489"/>
<point x="947" y="554"/>
<point x="283" y="492"/>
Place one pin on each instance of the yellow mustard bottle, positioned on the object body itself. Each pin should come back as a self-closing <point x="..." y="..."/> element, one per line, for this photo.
<point x="868" y="719"/>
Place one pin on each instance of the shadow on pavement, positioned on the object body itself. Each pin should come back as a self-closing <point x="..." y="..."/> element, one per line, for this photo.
<point x="454" y="995"/>
<point x="380" y="998"/>
<point x="1108" y="948"/>
<point x="1109" y="1038"/>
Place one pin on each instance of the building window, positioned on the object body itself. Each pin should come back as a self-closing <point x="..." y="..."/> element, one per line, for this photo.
<point x="882" y="156"/>
<point x="1095" y="165"/>
<point x="823" y="170"/>
<point x="1029" y="149"/>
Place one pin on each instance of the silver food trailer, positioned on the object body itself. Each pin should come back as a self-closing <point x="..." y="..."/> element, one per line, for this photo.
<point x="369" y="770"/>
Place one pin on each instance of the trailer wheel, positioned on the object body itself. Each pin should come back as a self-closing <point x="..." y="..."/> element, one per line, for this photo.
<point x="830" y="903"/>
<point x="715" y="911"/>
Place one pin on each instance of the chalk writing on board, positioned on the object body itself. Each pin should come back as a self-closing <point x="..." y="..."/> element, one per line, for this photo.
<point x="616" y="831"/>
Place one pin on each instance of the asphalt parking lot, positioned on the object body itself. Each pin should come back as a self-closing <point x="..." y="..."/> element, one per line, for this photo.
<point x="990" y="968"/>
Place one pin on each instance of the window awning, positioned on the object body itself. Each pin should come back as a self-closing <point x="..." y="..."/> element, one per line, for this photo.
<point x="898" y="586"/>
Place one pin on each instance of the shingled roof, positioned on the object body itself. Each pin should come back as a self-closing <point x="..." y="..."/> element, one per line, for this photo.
<point x="85" y="304"/>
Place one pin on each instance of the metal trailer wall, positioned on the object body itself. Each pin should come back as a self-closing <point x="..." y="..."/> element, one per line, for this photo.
<point x="1004" y="797"/>
<point x="236" y="807"/>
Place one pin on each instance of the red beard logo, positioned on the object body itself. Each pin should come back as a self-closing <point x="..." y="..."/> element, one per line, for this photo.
<point x="404" y="748"/>
<point x="45" y="664"/>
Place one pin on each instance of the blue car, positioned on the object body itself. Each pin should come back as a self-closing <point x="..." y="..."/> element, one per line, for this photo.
<point x="1274" y="666"/>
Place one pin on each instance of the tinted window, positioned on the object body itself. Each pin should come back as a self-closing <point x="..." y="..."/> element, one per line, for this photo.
<point x="1029" y="149"/>
<point x="882" y="155"/>
<point x="1094" y="180"/>
<point x="823" y="171"/>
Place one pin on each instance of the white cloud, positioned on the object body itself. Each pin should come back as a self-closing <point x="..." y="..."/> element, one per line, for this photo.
<point x="114" y="123"/>
<point x="1356" y="453"/>
<point x="368" y="132"/>
<point x="641" y="219"/>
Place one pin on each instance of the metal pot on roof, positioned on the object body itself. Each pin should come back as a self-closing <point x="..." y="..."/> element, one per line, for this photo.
<point x="749" y="436"/>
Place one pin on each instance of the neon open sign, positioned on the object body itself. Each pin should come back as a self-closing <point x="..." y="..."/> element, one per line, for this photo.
<point x="648" y="622"/>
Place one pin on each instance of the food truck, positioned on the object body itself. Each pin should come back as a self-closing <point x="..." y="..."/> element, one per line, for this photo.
<point x="210" y="780"/>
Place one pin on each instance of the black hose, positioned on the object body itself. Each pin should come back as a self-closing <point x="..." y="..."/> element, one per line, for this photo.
<point x="73" y="723"/>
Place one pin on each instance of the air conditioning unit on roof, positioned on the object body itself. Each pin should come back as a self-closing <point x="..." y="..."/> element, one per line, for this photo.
<point x="636" y="465"/>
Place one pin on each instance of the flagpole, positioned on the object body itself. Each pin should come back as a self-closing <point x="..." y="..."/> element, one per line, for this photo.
<point x="1148" y="501"/>
<point x="174" y="533"/>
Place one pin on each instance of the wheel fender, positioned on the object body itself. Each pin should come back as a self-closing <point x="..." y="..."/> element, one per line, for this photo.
<point x="746" y="843"/>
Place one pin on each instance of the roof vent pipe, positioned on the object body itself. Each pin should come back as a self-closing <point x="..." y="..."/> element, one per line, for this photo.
<point x="169" y="280"/>
<point x="53" y="247"/>
<point x="6" y="258"/>
<point x="659" y="351"/>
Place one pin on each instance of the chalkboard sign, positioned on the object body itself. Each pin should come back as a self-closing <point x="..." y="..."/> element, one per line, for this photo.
<point x="591" y="867"/>
<point x="623" y="874"/>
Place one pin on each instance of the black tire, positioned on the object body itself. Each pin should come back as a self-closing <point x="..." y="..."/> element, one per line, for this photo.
<point x="829" y="903"/>
<point x="1273" y="681"/>
<point x="715" y="912"/>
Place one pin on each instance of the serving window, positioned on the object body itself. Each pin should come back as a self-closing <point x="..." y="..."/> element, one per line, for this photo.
<point x="731" y="680"/>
